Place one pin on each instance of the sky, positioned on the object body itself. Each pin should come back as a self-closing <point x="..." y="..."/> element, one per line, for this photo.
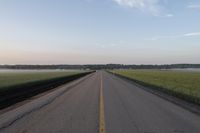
<point x="99" y="31"/>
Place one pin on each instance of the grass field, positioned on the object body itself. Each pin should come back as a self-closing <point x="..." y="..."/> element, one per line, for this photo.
<point x="182" y="84"/>
<point x="9" y="79"/>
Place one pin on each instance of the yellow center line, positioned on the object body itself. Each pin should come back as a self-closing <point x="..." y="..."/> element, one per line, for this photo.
<point x="101" y="110"/>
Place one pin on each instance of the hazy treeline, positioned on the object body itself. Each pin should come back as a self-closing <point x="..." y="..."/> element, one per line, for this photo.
<point x="103" y="66"/>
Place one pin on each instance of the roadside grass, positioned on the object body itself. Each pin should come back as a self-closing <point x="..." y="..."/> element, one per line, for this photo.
<point x="19" y="86"/>
<point x="185" y="85"/>
<point x="9" y="80"/>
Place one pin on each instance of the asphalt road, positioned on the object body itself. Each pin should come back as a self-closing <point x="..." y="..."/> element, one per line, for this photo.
<point x="125" y="109"/>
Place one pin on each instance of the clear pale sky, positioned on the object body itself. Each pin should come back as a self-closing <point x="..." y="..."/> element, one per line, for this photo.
<point x="99" y="31"/>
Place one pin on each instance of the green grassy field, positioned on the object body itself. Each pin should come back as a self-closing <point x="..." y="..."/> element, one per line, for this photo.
<point x="9" y="79"/>
<point x="180" y="83"/>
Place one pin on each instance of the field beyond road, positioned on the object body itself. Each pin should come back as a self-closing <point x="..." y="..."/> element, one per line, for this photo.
<point x="19" y="85"/>
<point x="10" y="79"/>
<point x="185" y="85"/>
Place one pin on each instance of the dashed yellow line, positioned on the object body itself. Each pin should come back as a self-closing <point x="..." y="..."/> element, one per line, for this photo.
<point x="101" y="110"/>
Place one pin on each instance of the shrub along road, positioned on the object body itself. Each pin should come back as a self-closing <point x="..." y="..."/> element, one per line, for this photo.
<point x="104" y="103"/>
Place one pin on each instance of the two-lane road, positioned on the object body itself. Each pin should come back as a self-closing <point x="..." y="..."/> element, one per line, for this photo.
<point x="108" y="102"/>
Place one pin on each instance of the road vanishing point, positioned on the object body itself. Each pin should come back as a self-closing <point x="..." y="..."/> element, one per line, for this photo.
<point x="101" y="103"/>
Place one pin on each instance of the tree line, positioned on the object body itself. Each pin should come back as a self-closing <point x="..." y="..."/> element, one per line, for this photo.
<point x="100" y="66"/>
